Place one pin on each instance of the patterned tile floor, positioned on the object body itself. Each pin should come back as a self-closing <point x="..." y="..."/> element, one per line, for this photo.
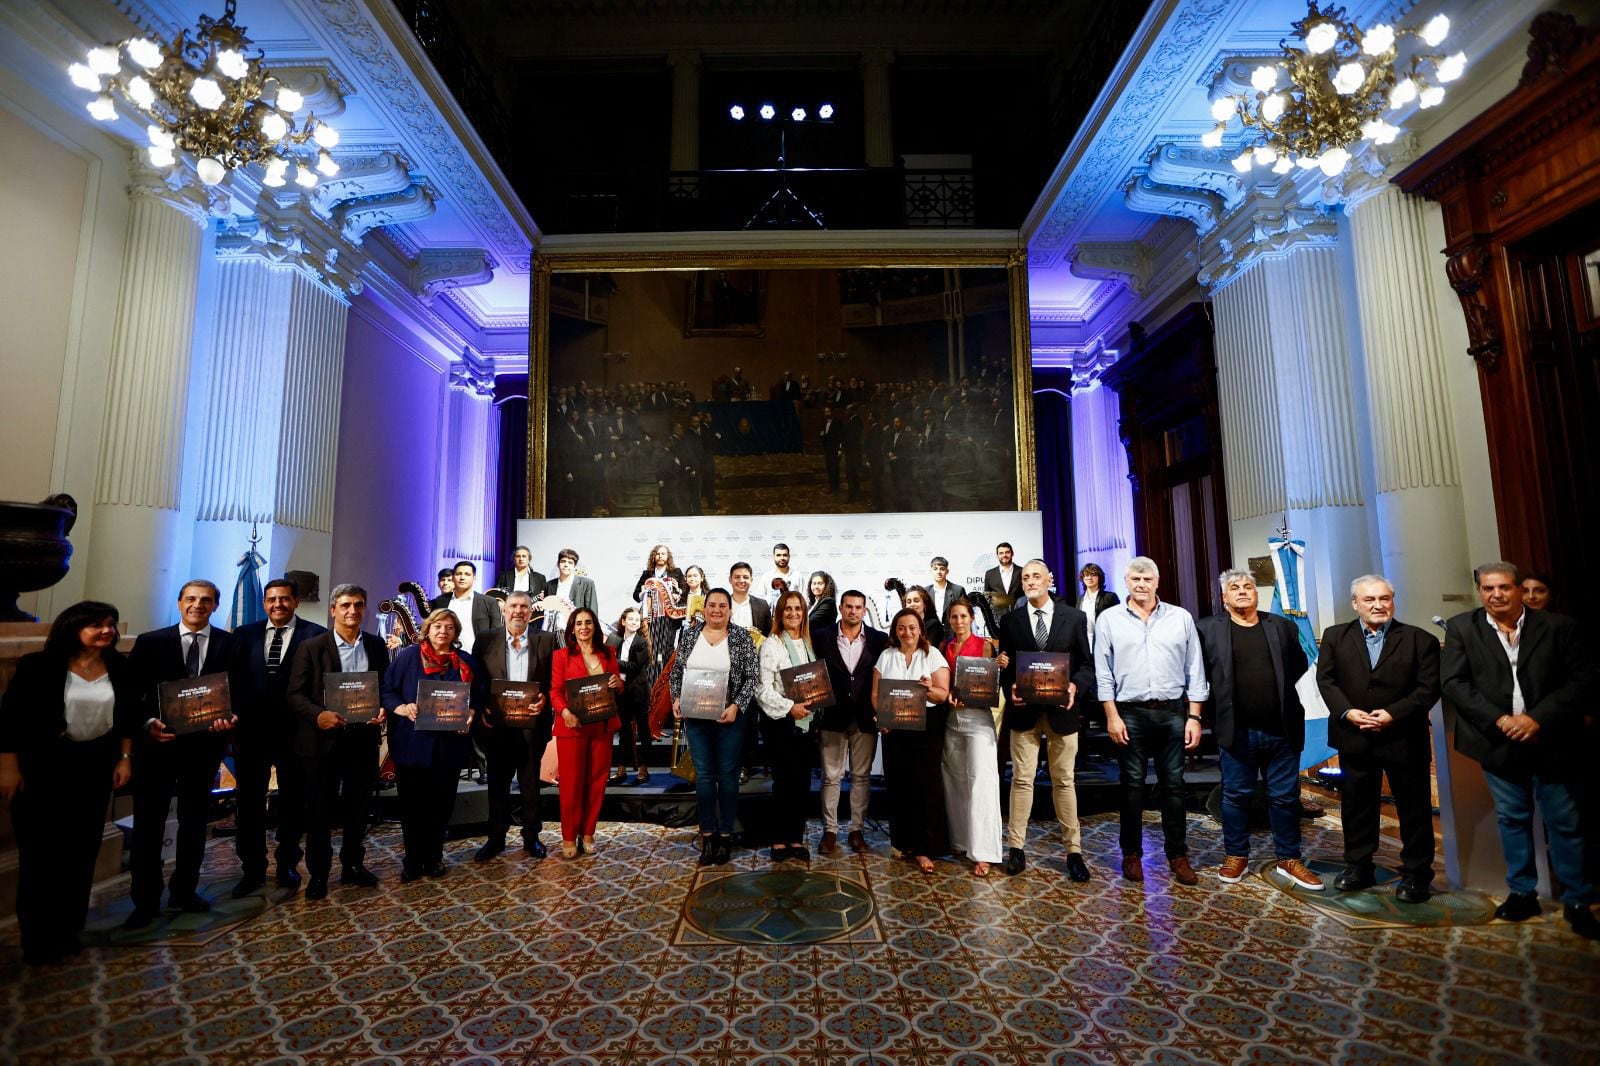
<point x="578" y="962"/>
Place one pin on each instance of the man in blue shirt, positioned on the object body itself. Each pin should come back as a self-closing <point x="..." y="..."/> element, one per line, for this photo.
<point x="1152" y="684"/>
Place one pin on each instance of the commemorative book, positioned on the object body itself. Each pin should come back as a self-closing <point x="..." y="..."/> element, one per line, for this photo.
<point x="351" y="696"/>
<point x="1043" y="676"/>
<point x="976" y="682"/>
<point x="806" y="682"/>
<point x="901" y="704"/>
<point x="513" y="703"/>
<point x="704" y="693"/>
<point x="444" y="706"/>
<point x="191" y="704"/>
<point x="591" y="699"/>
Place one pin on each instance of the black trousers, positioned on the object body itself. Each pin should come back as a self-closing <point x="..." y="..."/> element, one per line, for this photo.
<point x="793" y="754"/>
<point x="1360" y="789"/>
<point x="338" y="791"/>
<point x="514" y="753"/>
<point x="255" y="753"/>
<point x="427" y="796"/>
<point x="1155" y="731"/>
<point x="186" y="767"/>
<point x="59" y="817"/>
<point x="633" y="713"/>
<point x="914" y="776"/>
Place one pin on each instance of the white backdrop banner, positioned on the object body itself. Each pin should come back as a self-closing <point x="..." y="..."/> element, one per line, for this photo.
<point x="858" y="550"/>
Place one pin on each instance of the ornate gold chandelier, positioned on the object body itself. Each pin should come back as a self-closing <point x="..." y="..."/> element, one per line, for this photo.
<point x="206" y="96"/>
<point x="1317" y="101"/>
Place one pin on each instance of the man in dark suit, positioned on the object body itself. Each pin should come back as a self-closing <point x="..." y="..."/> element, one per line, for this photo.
<point x="1520" y="681"/>
<point x="569" y="585"/>
<point x="1252" y="662"/>
<point x="165" y="763"/>
<point x="476" y="612"/>
<point x="1030" y="724"/>
<point x="831" y="440"/>
<point x="521" y="577"/>
<point x="515" y="653"/>
<point x="259" y="682"/>
<point x="340" y="759"/>
<point x="1003" y="583"/>
<point x="849" y="729"/>
<point x="751" y="612"/>
<point x="1379" y="678"/>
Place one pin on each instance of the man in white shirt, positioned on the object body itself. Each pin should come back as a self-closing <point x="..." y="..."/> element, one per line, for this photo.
<point x="1003" y="583"/>
<point x="522" y="577"/>
<point x="476" y="612"/>
<point x="942" y="591"/>
<point x="780" y="572"/>
<point x="748" y="611"/>
<point x="570" y="587"/>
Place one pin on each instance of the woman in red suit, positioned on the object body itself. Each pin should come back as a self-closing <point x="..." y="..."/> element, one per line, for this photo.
<point x="583" y="752"/>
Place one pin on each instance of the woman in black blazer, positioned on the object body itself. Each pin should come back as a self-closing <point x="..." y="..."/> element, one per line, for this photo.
<point x="633" y="708"/>
<point x="66" y="727"/>
<point x="1096" y="597"/>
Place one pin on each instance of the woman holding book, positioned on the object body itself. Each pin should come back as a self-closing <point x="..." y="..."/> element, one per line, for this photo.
<point x="971" y="765"/>
<point x="715" y="743"/>
<point x="787" y="726"/>
<point x="428" y="762"/>
<point x="631" y="644"/>
<point x="912" y="758"/>
<point x="583" y="749"/>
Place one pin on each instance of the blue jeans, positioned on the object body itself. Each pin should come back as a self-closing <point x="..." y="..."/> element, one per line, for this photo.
<point x="1513" y="794"/>
<point x="715" y="749"/>
<point x="1153" y="733"/>
<point x="1256" y="754"/>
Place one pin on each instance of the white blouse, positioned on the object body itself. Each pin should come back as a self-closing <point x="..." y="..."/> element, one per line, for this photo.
<point x="892" y="664"/>
<point x="89" y="705"/>
<point x="708" y="656"/>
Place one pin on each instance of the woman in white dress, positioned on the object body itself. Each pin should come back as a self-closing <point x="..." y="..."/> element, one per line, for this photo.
<point x="971" y="767"/>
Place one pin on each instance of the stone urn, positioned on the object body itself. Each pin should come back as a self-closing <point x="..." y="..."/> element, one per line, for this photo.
<point x="34" y="549"/>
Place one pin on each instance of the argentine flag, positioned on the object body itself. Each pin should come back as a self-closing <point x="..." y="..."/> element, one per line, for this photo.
<point x="1288" y="599"/>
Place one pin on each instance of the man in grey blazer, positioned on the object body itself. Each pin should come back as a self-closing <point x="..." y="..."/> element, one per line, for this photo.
<point x="571" y="586"/>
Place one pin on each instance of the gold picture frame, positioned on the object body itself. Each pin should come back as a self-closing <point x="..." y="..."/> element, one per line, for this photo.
<point x="544" y="264"/>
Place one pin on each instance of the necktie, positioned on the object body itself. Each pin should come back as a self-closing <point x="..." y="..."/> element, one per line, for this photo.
<point x="516" y="643"/>
<point x="191" y="658"/>
<point x="275" y="650"/>
<point x="1040" y="633"/>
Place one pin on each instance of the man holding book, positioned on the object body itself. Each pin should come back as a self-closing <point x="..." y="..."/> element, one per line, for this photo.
<point x="516" y="731"/>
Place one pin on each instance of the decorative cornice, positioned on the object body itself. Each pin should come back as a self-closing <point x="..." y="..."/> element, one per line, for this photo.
<point x="1263" y="227"/>
<point x="355" y="218"/>
<point x="437" y="269"/>
<point x="472" y="374"/>
<point x="1125" y="262"/>
<point x="290" y="234"/>
<point x="176" y="187"/>
<point x="1371" y="169"/>
<point x="1195" y="166"/>
<point x="1200" y="206"/>
<point x="318" y="82"/>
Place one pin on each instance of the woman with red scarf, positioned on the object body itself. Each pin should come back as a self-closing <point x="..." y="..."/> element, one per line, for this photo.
<point x="428" y="763"/>
<point x="583" y="752"/>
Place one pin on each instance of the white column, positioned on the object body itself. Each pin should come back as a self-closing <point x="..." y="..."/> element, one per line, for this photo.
<point x="1420" y="516"/>
<point x="685" y="66"/>
<point x="137" y="548"/>
<point x="876" y="106"/>
<point x="471" y="435"/>
<point x="1102" y="495"/>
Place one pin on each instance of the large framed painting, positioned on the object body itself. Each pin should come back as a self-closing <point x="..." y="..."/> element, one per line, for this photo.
<point x="686" y="383"/>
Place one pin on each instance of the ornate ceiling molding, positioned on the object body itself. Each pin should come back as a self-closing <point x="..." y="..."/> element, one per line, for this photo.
<point x="288" y="233"/>
<point x="355" y="218"/>
<point x="1201" y="206"/>
<point x="1267" y="225"/>
<point x="1191" y="165"/>
<point x="472" y="374"/>
<point x="318" y="82"/>
<point x="370" y="173"/>
<point x="438" y="269"/>
<point x="1124" y="262"/>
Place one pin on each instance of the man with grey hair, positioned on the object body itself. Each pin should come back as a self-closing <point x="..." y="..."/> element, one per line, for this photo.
<point x="1379" y="678"/>
<point x="515" y="652"/>
<point x="1519" y="681"/>
<point x="1252" y="663"/>
<point x="1152" y="684"/>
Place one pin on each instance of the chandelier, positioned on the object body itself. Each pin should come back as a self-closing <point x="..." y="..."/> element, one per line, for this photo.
<point x="206" y="96"/>
<point x="1317" y="101"/>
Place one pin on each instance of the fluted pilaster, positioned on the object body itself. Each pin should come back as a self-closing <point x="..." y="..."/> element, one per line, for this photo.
<point x="471" y="435"/>
<point x="685" y="153"/>
<point x="1103" y="497"/>
<point x="1248" y="397"/>
<point x="877" y="107"/>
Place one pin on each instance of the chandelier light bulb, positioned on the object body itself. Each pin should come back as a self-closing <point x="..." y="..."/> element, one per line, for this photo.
<point x="273" y="126"/>
<point x="1349" y="77"/>
<point x="1437" y="29"/>
<point x="1241" y="162"/>
<point x="290" y="101"/>
<point x="276" y="167"/>
<point x="1282" y="166"/>
<point x="209" y="170"/>
<point x="145" y="52"/>
<point x="1378" y="40"/>
<point x="304" y="176"/>
<point x="160" y="157"/>
<point x="1264" y="154"/>
<point x="325" y="164"/>
<point x="207" y="93"/>
<point x="160" y="138"/>
<point x="325" y="135"/>
<point x="736" y="113"/>
<point x="1272" y="107"/>
<point x="1222" y="108"/>
<point x="825" y="112"/>
<point x="139" y="92"/>
<point x="1264" y="79"/>
<point x="1451" y="67"/>
<point x="1333" y="162"/>
<point x="1432" y="96"/>
<point x="1308" y="162"/>
<point x="1321" y="37"/>
<point x="104" y="60"/>
<point x="1379" y="132"/>
<point x="1403" y="93"/>
<point x="231" y="64"/>
<point x="103" y="108"/>
<point x="1212" y="138"/>
<point x="83" y="77"/>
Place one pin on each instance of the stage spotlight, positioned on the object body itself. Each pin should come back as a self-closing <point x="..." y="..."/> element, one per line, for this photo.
<point x="798" y="114"/>
<point x="736" y="113"/>
<point x="768" y="112"/>
<point x="825" y="111"/>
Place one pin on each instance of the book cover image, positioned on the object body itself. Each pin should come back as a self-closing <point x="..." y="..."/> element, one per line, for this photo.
<point x="976" y="682"/>
<point x="444" y="706"/>
<point x="191" y="704"/>
<point x="901" y="704"/>
<point x="1043" y="677"/>
<point x="513" y="703"/>
<point x="591" y="699"/>
<point x="352" y="696"/>
<point x="704" y="693"/>
<point x="808" y="682"/>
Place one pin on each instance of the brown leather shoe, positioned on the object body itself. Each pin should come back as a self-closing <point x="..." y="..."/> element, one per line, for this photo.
<point x="1133" y="867"/>
<point x="830" y="843"/>
<point x="1296" y="871"/>
<point x="857" y="842"/>
<point x="1183" y="873"/>
<point x="1233" y="869"/>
